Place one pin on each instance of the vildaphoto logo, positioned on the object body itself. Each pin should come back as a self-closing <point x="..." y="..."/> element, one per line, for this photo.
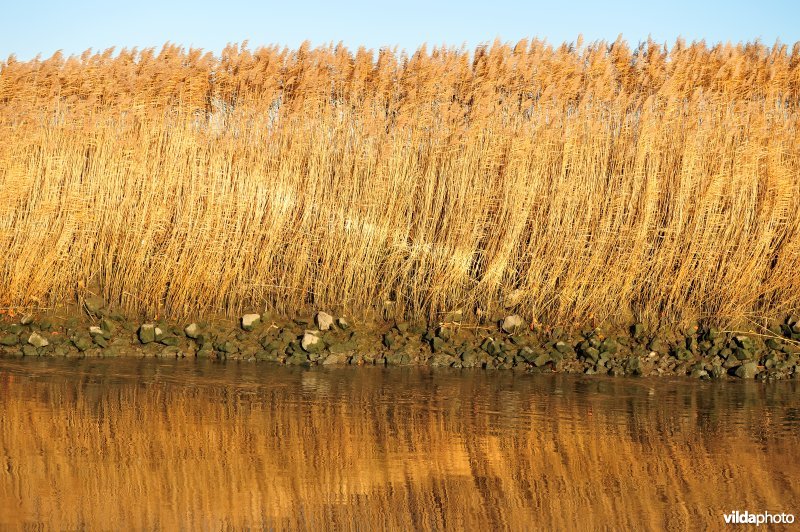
<point x="763" y="518"/>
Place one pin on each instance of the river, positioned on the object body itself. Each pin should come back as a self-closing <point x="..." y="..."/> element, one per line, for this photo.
<point x="149" y="444"/>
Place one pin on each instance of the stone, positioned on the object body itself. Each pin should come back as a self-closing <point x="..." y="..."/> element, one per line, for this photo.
<point x="192" y="331"/>
<point x="343" y="324"/>
<point x="637" y="330"/>
<point x="470" y="359"/>
<point x="100" y="340"/>
<point x="397" y="358"/>
<point x="37" y="340"/>
<point x="250" y="321"/>
<point x="441" y="360"/>
<point x="562" y="347"/>
<point x="609" y="345"/>
<point x="27" y="319"/>
<point x="95" y="330"/>
<point x="170" y="340"/>
<point x="108" y="326"/>
<point x="437" y="344"/>
<point x="659" y="346"/>
<point x="298" y="359"/>
<point x="29" y="351"/>
<point x="747" y="370"/>
<point x="541" y="360"/>
<point x="94" y="304"/>
<point x="228" y="347"/>
<point x="324" y="321"/>
<point x="336" y="359"/>
<point x="512" y="323"/>
<point x="147" y="333"/>
<point x="311" y="343"/>
<point x="82" y="343"/>
<point x="389" y="340"/>
<point x="9" y="339"/>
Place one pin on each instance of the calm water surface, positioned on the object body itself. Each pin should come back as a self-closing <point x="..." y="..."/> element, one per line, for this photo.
<point x="145" y="444"/>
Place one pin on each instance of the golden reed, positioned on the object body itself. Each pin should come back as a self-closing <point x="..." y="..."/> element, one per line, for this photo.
<point x="596" y="181"/>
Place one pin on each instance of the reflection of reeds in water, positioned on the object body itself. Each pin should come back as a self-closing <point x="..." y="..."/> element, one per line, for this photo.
<point x="385" y="449"/>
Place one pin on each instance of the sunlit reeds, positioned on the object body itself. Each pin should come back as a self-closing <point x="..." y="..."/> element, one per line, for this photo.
<point x="598" y="180"/>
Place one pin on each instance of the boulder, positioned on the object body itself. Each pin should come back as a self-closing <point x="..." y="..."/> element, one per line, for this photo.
<point x="250" y="321"/>
<point x="512" y="323"/>
<point x="311" y="343"/>
<point x="147" y="333"/>
<point x="192" y="331"/>
<point x="37" y="340"/>
<point x="324" y="321"/>
<point x="747" y="370"/>
<point x="94" y="304"/>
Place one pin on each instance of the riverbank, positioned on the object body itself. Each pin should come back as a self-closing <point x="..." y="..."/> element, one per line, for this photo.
<point x="323" y="339"/>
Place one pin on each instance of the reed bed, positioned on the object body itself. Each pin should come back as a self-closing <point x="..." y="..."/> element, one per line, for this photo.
<point x="577" y="182"/>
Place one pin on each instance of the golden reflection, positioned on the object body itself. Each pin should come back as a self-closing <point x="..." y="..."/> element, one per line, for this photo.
<point x="138" y="444"/>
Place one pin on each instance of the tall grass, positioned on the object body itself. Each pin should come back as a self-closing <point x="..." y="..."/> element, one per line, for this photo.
<point x="584" y="181"/>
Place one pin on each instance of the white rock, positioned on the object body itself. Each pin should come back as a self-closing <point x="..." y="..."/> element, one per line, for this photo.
<point x="192" y="330"/>
<point x="324" y="321"/>
<point x="249" y="321"/>
<point x="311" y="342"/>
<point x="94" y="329"/>
<point x="512" y="323"/>
<point x="37" y="340"/>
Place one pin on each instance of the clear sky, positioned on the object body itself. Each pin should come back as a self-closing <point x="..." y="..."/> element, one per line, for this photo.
<point x="31" y="27"/>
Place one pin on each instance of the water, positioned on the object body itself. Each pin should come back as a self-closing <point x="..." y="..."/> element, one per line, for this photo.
<point x="146" y="444"/>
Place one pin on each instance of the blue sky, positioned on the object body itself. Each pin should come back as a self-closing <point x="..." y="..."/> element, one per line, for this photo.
<point x="28" y="28"/>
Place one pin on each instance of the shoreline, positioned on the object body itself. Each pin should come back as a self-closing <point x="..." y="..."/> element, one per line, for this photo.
<point x="321" y="339"/>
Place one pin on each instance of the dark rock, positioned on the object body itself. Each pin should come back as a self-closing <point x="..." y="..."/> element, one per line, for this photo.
<point x="9" y="339"/>
<point x="609" y="345"/>
<point x="336" y="359"/>
<point x="389" y="340"/>
<point x="147" y="333"/>
<point x="437" y="344"/>
<point x="228" y="347"/>
<point x="297" y="359"/>
<point x="94" y="304"/>
<point x="108" y="326"/>
<point x="29" y="351"/>
<point x="542" y="359"/>
<point x="444" y="333"/>
<point x="441" y="360"/>
<point x="397" y="358"/>
<point x="170" y="340"/>
<point x="748" y="370"/>
<point x="470" y="359"/>
<point x="659" y="346"/>
<point x="100" y="340"/>
<point x="82" y="343"/>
